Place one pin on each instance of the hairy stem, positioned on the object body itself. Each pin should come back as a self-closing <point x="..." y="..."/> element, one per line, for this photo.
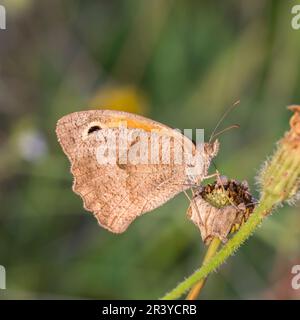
<point x="231" y="246"/>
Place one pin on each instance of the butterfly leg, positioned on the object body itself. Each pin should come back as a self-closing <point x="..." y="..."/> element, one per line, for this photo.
<point x="216" y="174"/>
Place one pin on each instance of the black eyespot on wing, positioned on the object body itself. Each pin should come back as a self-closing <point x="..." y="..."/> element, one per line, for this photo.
<point x="93" y="129"/>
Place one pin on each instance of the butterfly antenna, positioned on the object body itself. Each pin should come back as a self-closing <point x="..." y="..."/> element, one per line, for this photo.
<point x="222" y="118"/>
<point x="234" y="126"/>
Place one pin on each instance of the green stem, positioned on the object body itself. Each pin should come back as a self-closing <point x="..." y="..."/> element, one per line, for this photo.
<point x="211" y="251"/>
<point x="229" y="248"/>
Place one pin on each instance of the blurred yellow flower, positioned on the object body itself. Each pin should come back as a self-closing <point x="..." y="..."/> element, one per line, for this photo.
<point x="126" y="98"/>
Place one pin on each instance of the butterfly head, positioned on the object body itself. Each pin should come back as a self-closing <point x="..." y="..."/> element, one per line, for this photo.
<point x="210" y="150"/>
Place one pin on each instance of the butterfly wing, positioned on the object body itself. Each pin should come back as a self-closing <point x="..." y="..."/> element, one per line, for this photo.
<point x="118" y="193"/>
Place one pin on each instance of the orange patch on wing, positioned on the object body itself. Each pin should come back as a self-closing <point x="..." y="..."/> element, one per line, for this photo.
<point x="133" y="124"/>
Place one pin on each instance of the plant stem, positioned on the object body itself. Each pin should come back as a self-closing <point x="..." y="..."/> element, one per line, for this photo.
<point x="211" y="251"/>
<point x="228" y="249"/>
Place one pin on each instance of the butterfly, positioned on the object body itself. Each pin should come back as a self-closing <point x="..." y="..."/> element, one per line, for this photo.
<point x="117" y="192"/>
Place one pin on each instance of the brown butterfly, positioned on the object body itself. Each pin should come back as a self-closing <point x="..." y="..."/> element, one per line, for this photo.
<point x="118" y="192"/>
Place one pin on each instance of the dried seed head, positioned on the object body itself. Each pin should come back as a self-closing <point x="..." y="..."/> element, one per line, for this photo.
<point x="220" y="208"/>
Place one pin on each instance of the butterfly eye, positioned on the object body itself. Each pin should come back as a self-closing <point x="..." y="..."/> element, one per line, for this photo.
<point x="93" y="129"/>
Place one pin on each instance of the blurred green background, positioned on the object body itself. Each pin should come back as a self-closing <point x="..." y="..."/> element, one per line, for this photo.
<point x="181" y="62"/>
